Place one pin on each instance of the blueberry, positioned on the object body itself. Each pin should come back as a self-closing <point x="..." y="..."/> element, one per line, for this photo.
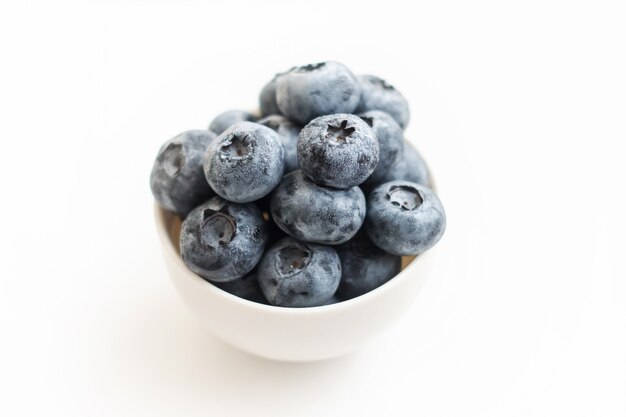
<point x="225" y="120"/>
<point x="244" y="163"/>
<point x="310" y="91"/>
<point x="409" y="167"/>
<point x="338" y="150"/>
<point x="377" y="94"/>
<point x="298" y="274"/>
<point x="222" y="241"/>
<point x="313" y="213"/>
<point x="177" y="179"/>
<point x="404" y="218"/>
<point x="390" y="141"/>
<point x="246" y="287"/>
<point x="267" y="97"/>
<point x="364" y="266"/>
<point x="288" y="133"/>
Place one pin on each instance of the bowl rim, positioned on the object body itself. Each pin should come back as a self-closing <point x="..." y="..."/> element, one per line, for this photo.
<point x="164" y="235"/>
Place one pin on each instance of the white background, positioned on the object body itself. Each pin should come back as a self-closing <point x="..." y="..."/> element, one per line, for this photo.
<point x="519" y="108"/>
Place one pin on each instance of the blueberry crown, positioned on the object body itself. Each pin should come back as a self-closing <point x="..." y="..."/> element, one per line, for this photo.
<point x="310" y="67"/>
<point x="339" y="133"/>
<point x="218" y="228"/>
<point x="293" y="258"/>
<point x="237" y="147"/>
<point x="406" y="197"/>
<point x="382" y="83"/>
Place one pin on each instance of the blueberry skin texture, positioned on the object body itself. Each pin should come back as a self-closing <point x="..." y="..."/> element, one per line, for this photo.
<point x="246" y="287"/>
<point x="338" y="150"/>
<point x="364" y="266"/>
<point x="390" y="141"/>
<point x="299" y="274"/>
<point x="288" y="133"/>
<point x="404" y="218"/>
<point x="310" y="91"/>
<point x="177" y="179"/>
<point x="409" y="167"/>
<point x="377" y="94"/>
<point x="245" y="163"/>
<point x="317" y="214"/>
<point x="222" y="241"/>
<point x="225" y="120"/>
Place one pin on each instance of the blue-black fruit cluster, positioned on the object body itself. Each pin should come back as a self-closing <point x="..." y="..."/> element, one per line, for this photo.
<point x="311" y="202"/>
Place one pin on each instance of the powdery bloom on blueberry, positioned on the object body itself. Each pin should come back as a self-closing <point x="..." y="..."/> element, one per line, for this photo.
<point x="377" y="94"/>
<point x="314" y="213"/>
<point x="314" y="90"/>
<point x="299" y="274"/>
<point x="364" y="266"/>
<point x="404" y="218"/>
<point x="338" y="150"/>
<point x="245" y="163"/>
<point x="222" y="241"/>
<point x="177" y="179"/>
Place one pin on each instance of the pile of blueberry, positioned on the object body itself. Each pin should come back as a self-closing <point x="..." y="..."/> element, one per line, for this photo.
<point x="313" y="203"/>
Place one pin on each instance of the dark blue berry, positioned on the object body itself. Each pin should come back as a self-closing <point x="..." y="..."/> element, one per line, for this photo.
<point x="222" y="241"/>
<point x="267" y="97"/>
<point x="338" y="150"/>
<point x="244" y="163"/>
<point x="246" y="287"/>
<point x="313" y="213"/>
<point x="404" y="218"/>
<point x="409" y="167"/>
<point x="364" y="266"/>
<point x="377" y="94"/>
<point x="310" y="91"/>
<point x="177" y="180"/>
<point x="299" y="274"/>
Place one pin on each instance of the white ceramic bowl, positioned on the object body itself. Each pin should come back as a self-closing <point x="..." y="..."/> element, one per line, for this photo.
<point x="291" y="334"/>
